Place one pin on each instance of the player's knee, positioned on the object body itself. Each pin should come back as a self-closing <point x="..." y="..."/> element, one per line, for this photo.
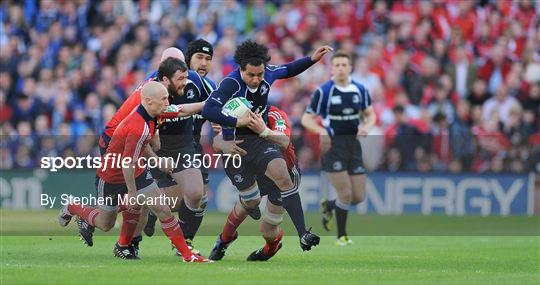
<point x="283" y="181"/>
<point x="345" y="197"/>
<point x="161" y="212"/>
<point x="194" y="199"/>
<point x="252" y="204"/>
<point x="357" y="199"/>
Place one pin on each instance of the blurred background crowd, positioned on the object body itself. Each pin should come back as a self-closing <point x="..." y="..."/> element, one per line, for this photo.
<point x="455" y="84"/>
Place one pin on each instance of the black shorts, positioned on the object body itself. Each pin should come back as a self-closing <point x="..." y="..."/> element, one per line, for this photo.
<point x="259" y="153"/>
<point x="144" y="182"/>
<point x="204" y="170"/>
<point x="268" y="187"/>
<point x="186" y="161"/>
<point x="344" y="155"/>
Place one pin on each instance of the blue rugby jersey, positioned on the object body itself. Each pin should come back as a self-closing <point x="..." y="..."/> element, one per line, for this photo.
<point x="339" y="106"/>
<point x="233" y="86"/>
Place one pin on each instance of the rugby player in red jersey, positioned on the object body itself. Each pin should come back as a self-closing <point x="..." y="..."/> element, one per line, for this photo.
<point x="128" y="142"/>
<point x="173" y="74"/>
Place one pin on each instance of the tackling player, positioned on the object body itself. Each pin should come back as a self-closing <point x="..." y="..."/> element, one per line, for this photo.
<point x="129" y="141"/>
<point x="280" y="133"/>
<point x="345" y="107"/>
<point x="172" y="73"/>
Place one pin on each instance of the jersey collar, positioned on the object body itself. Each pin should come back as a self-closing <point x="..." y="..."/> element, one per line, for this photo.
<point x="142" y="111"/>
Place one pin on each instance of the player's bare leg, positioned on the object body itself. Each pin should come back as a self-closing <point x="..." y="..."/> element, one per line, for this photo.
<point x="277" y="172"/>
<point x="342" y="183"/>
<point x="87" y="218"/>
<point x="358" y="188"/>
<point x="271" y="232"/>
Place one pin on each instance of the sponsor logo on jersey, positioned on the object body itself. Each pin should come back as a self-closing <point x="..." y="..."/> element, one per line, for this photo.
<point x="336" y="100"/>
<point x="348" y="111"/>
<point x="281" y="125"/>
<point x="269" y="150"/>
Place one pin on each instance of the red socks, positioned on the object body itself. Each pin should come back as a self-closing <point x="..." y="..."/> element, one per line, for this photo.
<point x="270" y="247"/>
<point x="88" y="214"/>
<point x="129" y="224"/>
<point x="172" y="229"/>
<point x="232" y="224"/>
<point x="121" y="208"/>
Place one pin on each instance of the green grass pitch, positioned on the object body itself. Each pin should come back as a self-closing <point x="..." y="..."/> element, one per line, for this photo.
<point x="35" y="250"/>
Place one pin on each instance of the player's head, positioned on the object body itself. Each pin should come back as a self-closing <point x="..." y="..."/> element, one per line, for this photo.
<point x="341" y="65"/>
<point x="155" y="98"/>
<point x="252" y="59"/>
<point x="172" y="52"/>
<point x="173" y="73"/>
<point x="199" y="56"/>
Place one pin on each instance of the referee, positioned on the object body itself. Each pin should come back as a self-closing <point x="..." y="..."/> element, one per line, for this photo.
<point x="345" y="109"/>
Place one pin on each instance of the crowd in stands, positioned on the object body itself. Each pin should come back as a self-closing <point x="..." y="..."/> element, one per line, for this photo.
<point x="455" y="84"/>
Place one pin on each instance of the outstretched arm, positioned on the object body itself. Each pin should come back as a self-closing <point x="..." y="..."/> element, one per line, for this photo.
<point x="300" y="65"/>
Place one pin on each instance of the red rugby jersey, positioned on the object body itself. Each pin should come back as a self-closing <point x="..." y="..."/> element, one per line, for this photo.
<point x="128" y="141"/>
<point x="278" y="121"/>
<point x="127" y="107"/>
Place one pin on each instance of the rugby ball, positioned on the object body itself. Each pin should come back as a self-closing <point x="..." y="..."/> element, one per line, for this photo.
<point x="236" y="107"/>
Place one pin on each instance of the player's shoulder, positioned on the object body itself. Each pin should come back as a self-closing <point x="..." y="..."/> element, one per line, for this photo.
<point x="233" y="79"/>
<point x="151" y="76"/>
<point x="134" y="118"/>
<point x="274" y="68"/>
<point x="326" y="87"/>
<point x="359" y="85"/>
<point x="209" y="82"/>
<point x="130" y="124"/>
<point x="277" y="113"/>
<point x="194" y="77"/>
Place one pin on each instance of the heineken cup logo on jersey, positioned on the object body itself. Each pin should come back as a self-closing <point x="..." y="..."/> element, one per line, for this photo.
<point x="237" y="107"/>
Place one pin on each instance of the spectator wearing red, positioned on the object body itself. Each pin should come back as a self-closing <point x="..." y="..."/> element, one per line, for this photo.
<point x="441" y="144"/>
<point x="494" y="70"/>
<point x="343" y="22"/>
<point x="465" y="20"/>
